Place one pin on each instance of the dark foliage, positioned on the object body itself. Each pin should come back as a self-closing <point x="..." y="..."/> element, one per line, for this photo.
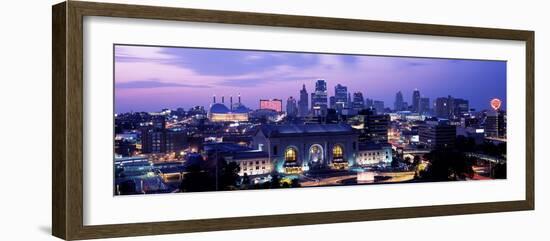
<point x="246" y="180"/>
<point x="395" y="162"/>
<point x="295" y="183"/>
<point x="228" y="174"/>
<point x="499" y="171"/>
<point x="197" y="180"/>
<point x="416" y="160"/>
<point x="275" y="180"/>
<point x="465" y="144"/>
<point x="447" y="165"/>
<point x="127" y="187"/>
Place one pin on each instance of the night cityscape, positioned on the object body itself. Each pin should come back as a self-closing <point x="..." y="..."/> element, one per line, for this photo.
<point x="191" y="120"/>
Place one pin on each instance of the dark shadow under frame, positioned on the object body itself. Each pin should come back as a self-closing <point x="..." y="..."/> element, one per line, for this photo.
<point x="67" y="119"/>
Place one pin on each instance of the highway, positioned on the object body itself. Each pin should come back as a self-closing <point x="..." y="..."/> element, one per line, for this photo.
<point x="337" y="180"/>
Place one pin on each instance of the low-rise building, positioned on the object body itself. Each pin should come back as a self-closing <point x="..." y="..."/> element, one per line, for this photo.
<point x="251" y="163"/>
<point x="374" y="154"/>
<point x="436" y="134"/>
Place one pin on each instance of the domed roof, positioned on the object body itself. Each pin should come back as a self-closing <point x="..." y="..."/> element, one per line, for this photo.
<point x="219" y="108"/>
<point x="241" y="109"/>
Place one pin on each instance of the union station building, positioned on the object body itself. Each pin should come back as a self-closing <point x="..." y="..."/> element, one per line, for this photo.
<point x="295" y="148"/>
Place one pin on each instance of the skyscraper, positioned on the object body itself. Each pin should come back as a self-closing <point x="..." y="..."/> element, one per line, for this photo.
<point x="291" y="108"/>
<point x="358" y="102"/>
<point x="369" y="103"/>
<point x="399" y="105"/>
<point x="319" y="100"/>
<point x="491" y="124"/>
<point x="495" y="121"/>
<point x="332" y="102"/>
<point x="437" y="134"/>
<point x="373" y="128"/>
<point x="424" y="106"/>
<point x="460" y="107"/>
<point x="444" y="107"/>
<point x="378" y="106"/>
<point x="340" y="98"/>
<point x="303" y="103"/>
<point x="416" y="101"/>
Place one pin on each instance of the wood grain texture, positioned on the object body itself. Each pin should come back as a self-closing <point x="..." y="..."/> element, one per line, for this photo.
<point x="59" y="181"/>
<point x="122" y="230"/>
<point x="75" y="125"/>
<point x="67" y="136"/>
<point x="530" y="120"/>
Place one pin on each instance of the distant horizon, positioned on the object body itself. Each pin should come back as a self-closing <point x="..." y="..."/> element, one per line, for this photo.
<point x="151" y="78"/>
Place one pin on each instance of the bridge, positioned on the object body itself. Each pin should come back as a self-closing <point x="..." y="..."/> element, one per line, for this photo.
<point x="416" y="151"/>
<point x="486" y="157"/>
<point x="496" y="139"/>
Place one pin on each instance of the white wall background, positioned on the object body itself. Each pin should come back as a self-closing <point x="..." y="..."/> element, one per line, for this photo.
<point x="25" y="120"/>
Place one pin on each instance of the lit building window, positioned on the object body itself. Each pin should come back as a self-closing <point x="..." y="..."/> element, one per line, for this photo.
<point x="337" y="152"/>
<point x="290" y="155"/>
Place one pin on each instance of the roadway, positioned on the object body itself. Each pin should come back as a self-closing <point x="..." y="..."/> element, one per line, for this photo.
<point x="337" y="180"/>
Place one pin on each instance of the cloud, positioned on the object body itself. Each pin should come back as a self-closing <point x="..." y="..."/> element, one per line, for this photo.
<point x="125" y="53"/>
<point x="154" y="84"/>
<point x="227" y="62"/>
<point x="416" y="63"/>
<point x="253" y="57"/>
<point x="257" y="81"/>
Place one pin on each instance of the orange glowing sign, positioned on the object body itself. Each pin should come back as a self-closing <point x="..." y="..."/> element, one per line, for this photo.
<point x="495" y="103"/>
<point x="274" y="104"/>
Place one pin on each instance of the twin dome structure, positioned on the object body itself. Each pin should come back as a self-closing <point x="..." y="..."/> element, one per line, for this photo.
<point x="236" y="112"/>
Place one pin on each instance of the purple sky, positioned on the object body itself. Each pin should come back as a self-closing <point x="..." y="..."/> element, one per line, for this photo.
<point x="151" y="78"/>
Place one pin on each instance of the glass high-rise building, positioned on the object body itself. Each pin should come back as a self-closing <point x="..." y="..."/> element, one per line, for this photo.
<point x="291" y="107"/>
<point x="374" y="127"/>
<point x="460" y="107"/>
<point x="303" y="103"/>
<point x="378" y="106"/>
<point x="399" y="104"/>
<point x="437" y="134"/>
<point x="443" y="107"/>
<point x="340" y="98"/>
<point x="358" y="102"/>
<point x="495" y="124"/>
<point x="369" y="103"/>
<point x="319" y="98"/>
<point x="416" y="101"/>
<point x="424" y="106"/>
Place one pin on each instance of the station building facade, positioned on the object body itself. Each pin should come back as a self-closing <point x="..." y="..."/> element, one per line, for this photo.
<point x="295" y="148"/>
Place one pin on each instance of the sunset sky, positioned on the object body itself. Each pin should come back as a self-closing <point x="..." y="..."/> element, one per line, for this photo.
<point x="152" y="78"/>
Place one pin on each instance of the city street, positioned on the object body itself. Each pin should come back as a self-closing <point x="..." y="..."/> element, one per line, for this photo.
<point x="338" y="180"/>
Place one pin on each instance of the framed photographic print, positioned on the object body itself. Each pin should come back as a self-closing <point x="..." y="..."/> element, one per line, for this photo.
<point x="171" y="120"/>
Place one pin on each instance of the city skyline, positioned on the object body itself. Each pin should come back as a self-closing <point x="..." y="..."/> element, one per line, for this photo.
<point x="269" y="120"/>
<point x="153" y="78"/>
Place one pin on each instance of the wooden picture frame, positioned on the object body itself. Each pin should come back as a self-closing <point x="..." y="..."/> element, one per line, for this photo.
<point x="67" y="138"/>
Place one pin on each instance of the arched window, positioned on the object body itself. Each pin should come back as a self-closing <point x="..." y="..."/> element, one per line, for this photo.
<point x="291" y="154"/>
<point x="316" y="154"/>
<point x="337" y="152"/>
